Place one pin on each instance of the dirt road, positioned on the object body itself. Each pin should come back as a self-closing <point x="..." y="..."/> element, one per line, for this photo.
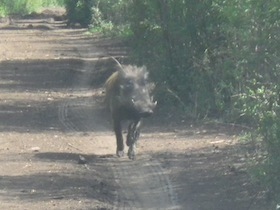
<point x="57" y="146"/>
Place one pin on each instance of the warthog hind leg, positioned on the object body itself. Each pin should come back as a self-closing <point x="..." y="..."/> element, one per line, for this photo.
<point x="132" y="152"/>
<point x="120" y="153"/>
<point x="133" y="133"/>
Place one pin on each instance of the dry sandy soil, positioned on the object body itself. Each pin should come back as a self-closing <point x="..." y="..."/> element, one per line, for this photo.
<point x="57" y="147"/>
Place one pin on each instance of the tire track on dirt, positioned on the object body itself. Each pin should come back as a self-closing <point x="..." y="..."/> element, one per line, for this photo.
<point x="63" y="116"/>
<point x="143" y="185"/>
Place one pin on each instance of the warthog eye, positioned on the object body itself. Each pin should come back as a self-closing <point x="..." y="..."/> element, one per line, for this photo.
<point x="129" y="82"/>
<point x="127" y="85"/>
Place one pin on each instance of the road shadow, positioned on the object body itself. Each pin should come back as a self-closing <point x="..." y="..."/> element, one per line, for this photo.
<point x="53" y="75"/>
<point x="74" y="182"/>
<point x="72" y="157"/>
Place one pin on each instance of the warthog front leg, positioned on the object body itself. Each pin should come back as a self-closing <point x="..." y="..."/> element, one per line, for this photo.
<point x="119" y="137"/>
<point x="132" y="137"/>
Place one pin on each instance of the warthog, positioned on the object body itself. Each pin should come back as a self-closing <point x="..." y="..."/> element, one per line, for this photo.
<point x="128" y="98"/>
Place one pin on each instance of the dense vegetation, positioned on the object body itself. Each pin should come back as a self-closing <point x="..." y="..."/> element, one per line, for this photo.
<point x="22" y="7"/>
<point x="209" y="58"/>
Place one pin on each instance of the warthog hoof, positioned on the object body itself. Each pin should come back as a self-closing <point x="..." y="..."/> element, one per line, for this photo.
<point x="120" y="153"/>
<point x="131" y="154"/>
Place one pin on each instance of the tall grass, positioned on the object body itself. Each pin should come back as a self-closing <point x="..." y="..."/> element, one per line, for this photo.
<point x="21" y="7"/>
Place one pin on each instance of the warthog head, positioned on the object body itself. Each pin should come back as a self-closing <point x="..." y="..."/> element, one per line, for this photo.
<point x="135" y="90"/>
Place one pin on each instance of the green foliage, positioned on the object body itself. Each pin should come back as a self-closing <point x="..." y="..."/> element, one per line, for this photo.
<point x="12" y="7"/>
<point x="23" y="7"/>
<point x="79" y="11"/>
<point x="53" y="3"/>
<point x="111" y="18"/>
<point x="2" y="11"/>
<point x="255" y="51"/>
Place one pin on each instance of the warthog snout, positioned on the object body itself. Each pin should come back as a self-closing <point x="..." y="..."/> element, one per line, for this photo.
<point x="145" y="109"/>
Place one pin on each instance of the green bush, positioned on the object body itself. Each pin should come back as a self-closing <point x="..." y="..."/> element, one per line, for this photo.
<point x="111" y="18"/>
<point x="22" y="7"/>
<point x="79" y="11"/>
<point x="257" y="98"/>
